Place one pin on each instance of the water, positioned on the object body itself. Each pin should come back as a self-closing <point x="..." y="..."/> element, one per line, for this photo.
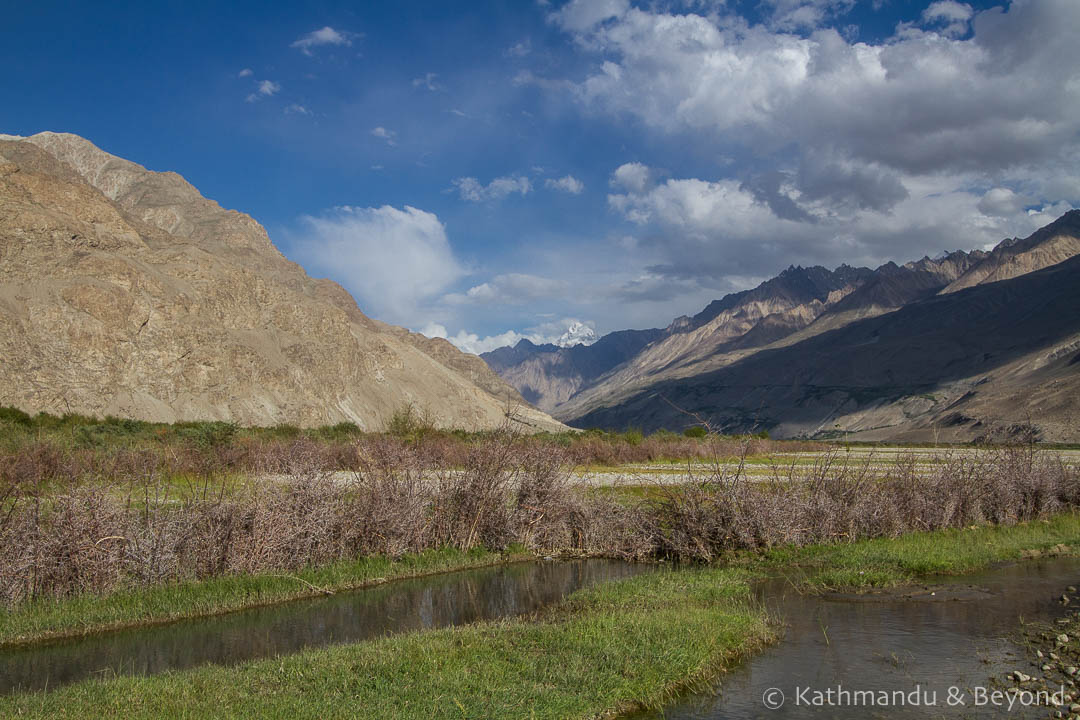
<point x="953" y="638"/>
<point x="421" y="604"/>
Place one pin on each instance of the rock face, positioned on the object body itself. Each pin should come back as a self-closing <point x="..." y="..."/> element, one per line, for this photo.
<point x="791" y="355"/>
<point x="125" y="292"/>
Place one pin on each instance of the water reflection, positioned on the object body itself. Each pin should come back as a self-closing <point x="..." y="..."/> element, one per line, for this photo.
<point x="424" y="603"/>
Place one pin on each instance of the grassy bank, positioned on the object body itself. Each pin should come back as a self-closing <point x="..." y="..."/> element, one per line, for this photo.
<point x="888" y="562"/>
<point x="635" y="642"/>
<point x="49" y="618"/>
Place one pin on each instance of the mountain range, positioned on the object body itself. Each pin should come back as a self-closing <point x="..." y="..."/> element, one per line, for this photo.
<point x="126" y="292"/>
<point x="967" y="346"/>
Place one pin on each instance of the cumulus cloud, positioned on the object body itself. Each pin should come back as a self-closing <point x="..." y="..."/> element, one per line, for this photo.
<point x="296" y="109"/>
<point x="632" y="176"/>
<point x="702" y="230"/>
<point x="961" y="129"/>
<point x="383" y="134"/>
<point x="569" y="184"/>
<point x="509" y="289"/>
<point x="323" y="36"/>
<point x="1002" y="202"/>
<point x="393" y="261"/>
<point x="473" y="190"/>
<point x="246" y="72"/>
<point x="921" y="103"/>
<point x="583" y="15"/>
<point x="805" y="14"/>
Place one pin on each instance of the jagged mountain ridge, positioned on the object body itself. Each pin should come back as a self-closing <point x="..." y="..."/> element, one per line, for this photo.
<point x="982" y="363"/>
<point x="124" y="291"/>
<point x="792" y="308"/>
<point x="547" y="375"/>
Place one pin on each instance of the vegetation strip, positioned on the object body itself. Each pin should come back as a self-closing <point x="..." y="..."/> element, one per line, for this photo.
<point x="52" y="619"/>
<point x="889" y="562"/>
<point x="627" y="644"/>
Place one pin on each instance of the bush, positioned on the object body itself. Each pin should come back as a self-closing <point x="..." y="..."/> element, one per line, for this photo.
<point x="15" y="416"/>
<point x="695" y="431"/>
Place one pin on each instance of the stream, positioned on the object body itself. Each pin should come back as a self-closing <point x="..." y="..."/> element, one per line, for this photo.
<point x="436" y="601"/>
<point x="932" y="649"/>
<point x="928" y="648"/>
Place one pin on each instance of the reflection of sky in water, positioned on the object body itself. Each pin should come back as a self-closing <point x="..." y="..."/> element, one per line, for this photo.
<point x="894" y="646"/>
<point x="420" y="604"/>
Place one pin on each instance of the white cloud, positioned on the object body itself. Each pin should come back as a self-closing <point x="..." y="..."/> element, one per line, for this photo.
<point x="704" y="230"/>
<point x="268" y="88"/>
<point x="860" y="127"/>
<point x="324" y="36"/>
<point x="1003" y="202"/>
<point x="473" y="190"/>
<point x="296" y="109"/>
<point x="948" y="10"/>
<point x="383" y="134"/>
<point x="805" y="14"/>
<point x="583" y="15"/>
<point x="246" y="72"/>
<point x="953" y="18"/>
<point x="509" y="289"/>
<point x="631" y="176"/>
<point x="569" y="184"/>
<point x="393" y="261"/>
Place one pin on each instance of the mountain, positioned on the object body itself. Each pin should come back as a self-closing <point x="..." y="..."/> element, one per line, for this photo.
<point x="548" y="375"/>
<point x="780" y="316"/>
<point x="995" y="360"/>
<point x="1058" y="241"/>
<point x="126" y="292"/>
<point x="577" y="334"/>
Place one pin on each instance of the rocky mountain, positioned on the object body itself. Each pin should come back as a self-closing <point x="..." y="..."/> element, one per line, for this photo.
<point x="785" y="312"/>
<point x="994" y="361"/>
<point x="126" y="292"/>
<point x="548" y="375"/>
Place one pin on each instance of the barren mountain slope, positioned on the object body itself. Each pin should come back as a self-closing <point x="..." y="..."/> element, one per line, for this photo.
<point x="125" y="292"/>
<point x="875" y="293"/>
<point x="982" y="362"/>
<point x="1058" y="241"/>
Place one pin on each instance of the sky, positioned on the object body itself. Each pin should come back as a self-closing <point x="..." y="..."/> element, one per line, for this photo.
<point x="487" y="171"/>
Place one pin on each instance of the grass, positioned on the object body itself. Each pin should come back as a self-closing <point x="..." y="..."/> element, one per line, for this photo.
<point x="45" y="619"/>
<point x="888" y="562"/>
<point x="636" y="642"/>
<point x="632" y="643"/>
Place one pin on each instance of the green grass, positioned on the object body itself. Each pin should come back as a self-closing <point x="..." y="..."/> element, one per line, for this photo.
<point x="636" y="642"/>
<point x="887" y="562"/>
<point x="88" y="613"/>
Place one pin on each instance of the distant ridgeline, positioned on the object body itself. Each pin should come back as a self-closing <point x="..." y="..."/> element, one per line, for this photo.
<point x="969" y="346"/>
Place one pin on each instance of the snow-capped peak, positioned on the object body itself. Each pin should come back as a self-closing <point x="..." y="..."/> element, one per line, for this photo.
<point x="577" y="334"/>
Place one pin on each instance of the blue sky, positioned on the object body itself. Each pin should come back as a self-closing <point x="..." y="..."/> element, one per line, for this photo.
<point x="488" y="171"/>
